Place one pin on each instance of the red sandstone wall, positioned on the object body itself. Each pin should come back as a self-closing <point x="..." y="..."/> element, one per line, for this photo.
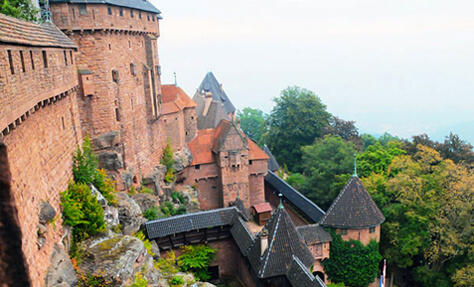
<point x="67" y="17"/>
<point x="175" y="129"/>
<point x="257" y="189"/>
<point x="190" y="124"/>
<point x="40" y="155"/>
<point x="208" y="193"/>
<point x="22" y="91"/>
<point x="363" y="235"/>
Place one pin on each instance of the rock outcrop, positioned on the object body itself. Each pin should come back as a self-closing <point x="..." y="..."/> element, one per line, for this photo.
<point x="129" y="213"/>
<point x="182" y="159"/>
<point x="145" y="201"/>
<point x="61" y="271"/>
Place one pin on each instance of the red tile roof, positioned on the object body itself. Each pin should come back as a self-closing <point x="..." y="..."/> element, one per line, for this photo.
<point x="20" y="32"/>
<point x="202" y="145"/>
<point x="262" y="207"/>
<point x="174" y="99"/>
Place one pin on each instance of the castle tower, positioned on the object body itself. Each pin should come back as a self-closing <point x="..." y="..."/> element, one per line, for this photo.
<point x="232" y="156"/>
<point x="354" y="214"/>
<point x="119" y="75"/>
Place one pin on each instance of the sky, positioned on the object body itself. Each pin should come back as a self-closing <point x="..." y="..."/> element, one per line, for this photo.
<point x="403" y="67"/>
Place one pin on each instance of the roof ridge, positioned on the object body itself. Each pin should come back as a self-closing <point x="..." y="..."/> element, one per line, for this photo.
<point x="337" y="199"/>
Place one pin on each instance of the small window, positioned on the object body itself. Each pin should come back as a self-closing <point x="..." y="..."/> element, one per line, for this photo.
<point x="372" y="230"/>
<point x="250" y="162"/>
<point x="139" y="14"/>
<point x="32" y="60"/>
<point x="197" y="166"/>
<point x="22" y="62"/>
<point x="10" y="61"/>
<point x="121" y="11"/>
<point x="133" y="69"/>
<point x="72" y="58"/>
<point x="62" y="121"/>
<point x="117" y="114"/>
<point x="115" y="76"/>
<point x="148" y="17"/>
<point x="129" y="44"/>
<point x="45" y="59"/>
<point x="153" y="18"/>
<point x="109" y="10"/>
<point x="73" y="13"/>
<point x="110" y="47"/>
<point x="82" y="9"/>
<point x="131" y="13"/>
<point x="158" y="70"/>
<point x="65" y="57"/>
<point x="343" y="231"/>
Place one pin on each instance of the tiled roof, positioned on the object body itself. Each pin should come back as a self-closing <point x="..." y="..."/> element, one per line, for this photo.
<point x="215" y="113"/>
<point x="242" y="236"/>
<point x="299" y="275"/>
<point x="174" y="99"/>
<point x="15" y="31"/>
<point x="206" y="140"/>
<point x="284" y="242"/>
<point x="255" y="152"/>
<point x="210" y="84"/>
<point x="135" y="4"/>
<point x="262" y="207"/>
<point x="272" y="163"/>
<point x="314" y="233"/>
<point x="241" y="207"/>
<point x="306" y="206"/>
<point x="191" y="221"/>
<point x="353" y="208"/>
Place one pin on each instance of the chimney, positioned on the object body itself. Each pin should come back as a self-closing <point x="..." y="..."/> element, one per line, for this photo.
<point x="263" y="241"/>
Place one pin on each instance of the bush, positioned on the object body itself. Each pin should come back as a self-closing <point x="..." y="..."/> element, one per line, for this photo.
<point x="177" y="280"/>
<point x="168" y="209"/>
<point x="146" y="190"/>
<point x="196" y="258"/>
<point x="170" y="175"/>
<point x="140" y="235"/>
<point x="361" y="263"/>
<point x="139" y="281"/>
<point x="87" y="280"/>
<point x="82" y="211"/>
<point x="167" y="157"/>
<point x="105" y="185"/>
<point x="151" y="213"/>
<point x="178" y="197"/>
<point x="167" y="264"/>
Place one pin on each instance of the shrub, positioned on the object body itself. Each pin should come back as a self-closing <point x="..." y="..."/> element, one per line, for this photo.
<point x="170" y="175"/>
<point x="140" y="235"/>
<point x="178" y="197"/>
<point x="105" y="185"/>
<point x="139" y="280"/>
<point x="87" y="280"/>
<point x="167" y="157"/>
<point x="167" y="264"/>
<point x="151" y="213"/>
<point x="361" y="263"/>
<point x="144" y="189"/>
<point x="82" y="211"/>
<point x="168" y="209"/>
<point x="85" y="163"/>
<point x="196" y="258"/>
<point x="177" y="280"/>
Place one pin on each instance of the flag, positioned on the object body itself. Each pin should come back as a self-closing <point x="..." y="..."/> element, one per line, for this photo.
<point x="382" y="277"/>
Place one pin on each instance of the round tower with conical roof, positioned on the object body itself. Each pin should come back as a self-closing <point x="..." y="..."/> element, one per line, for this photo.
<point x="354" y="214"/>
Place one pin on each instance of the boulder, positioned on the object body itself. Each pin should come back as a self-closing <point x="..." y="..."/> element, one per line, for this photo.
<point x="100" y="198"/>
<point x="106" y="140"/>
<point x="145" y="201"/>
<point x="155" y="178"/>
<point x="182" y="159"/>
<point x="129" y="213"/>
<point x="116" y="258"/>
<point x="47" y="213"/>
<point x="61" y="272"/>
<point x="111" y="216"/>
<point x="110" y="160"/>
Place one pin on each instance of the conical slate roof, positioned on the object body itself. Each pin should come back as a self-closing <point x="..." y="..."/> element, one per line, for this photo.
<point x="284" y="243"/>
<point x="353" y="208"/>
<point x="272" y="163"/>
<point x="210" y="84"/>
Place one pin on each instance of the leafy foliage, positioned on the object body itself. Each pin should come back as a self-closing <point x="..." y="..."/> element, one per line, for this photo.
<point x="151" y="213"/>
<point x="296" y="120"/>
<point x="139" y="280"/>
<point x="178" y="197"/>
<point x="253" y="123"/>
<point x="351" y="262"/>
<point x="167" y="263"/>
<point x="21" y="9"/>
<point x="296" y="180"/>
<point x="177" y="280"/>
<point x="140" y="235"/>
<point x="82" y="211"/>
<point x="168" y="209"/>
<point x="376" y="158"/>
<point x="196" y="258"/>
<point x="327" y="165"/>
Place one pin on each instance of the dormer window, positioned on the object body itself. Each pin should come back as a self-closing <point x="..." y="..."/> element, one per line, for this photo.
<point x="372" y="230"/>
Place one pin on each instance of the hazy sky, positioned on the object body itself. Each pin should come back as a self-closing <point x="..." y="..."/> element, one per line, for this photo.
<point x="405" y="67"/>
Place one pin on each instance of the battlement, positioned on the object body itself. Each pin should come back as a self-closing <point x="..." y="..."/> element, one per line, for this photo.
<point x="36" y="68"/>
<point x="77" y="16"/>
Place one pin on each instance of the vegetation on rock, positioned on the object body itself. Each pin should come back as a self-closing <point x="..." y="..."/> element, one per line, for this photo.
<point x="21" y="9"/>
<point x="196" y="258"/>
<point x="168" y="161"/>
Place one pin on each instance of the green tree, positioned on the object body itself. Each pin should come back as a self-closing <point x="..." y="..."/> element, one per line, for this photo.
<point x="345" y="129"/>
<point x="327" y="165"/>
<point x="296" y="120"/>
<point x="376" y="158"/>
<point x="428" y="203"/>
<point x="367" y="140"/>
<point x="457" y="150"/>
<point x="360" y="264"/>
<point x="21" y="9"/>
<point x="252" y="122"/>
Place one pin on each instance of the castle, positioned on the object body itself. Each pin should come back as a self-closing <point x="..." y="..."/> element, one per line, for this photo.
<point x="96" y="72"/>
